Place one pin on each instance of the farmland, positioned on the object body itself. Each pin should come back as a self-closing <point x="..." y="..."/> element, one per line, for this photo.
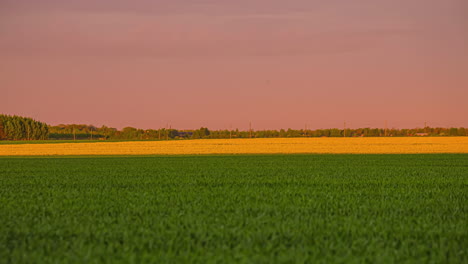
<point x="235" y="208"/>
<point x="247" y="146"/>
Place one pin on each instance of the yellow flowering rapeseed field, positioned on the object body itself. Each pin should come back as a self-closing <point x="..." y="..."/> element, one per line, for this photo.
<point x="247" y="146"/>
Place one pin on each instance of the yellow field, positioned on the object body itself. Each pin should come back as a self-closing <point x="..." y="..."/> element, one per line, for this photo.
<point x="244" y="146"/>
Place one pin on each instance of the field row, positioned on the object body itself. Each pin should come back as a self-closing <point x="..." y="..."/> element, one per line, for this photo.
<point x="248" y="146"/>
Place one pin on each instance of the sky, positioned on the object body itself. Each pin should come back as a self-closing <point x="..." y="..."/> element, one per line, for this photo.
<point x="224" y="63"/>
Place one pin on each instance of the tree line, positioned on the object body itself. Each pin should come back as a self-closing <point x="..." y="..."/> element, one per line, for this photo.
<point x="22" y="128"/>
<point x="131" y="133"/>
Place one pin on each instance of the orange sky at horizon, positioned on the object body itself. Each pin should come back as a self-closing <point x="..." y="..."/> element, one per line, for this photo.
<point x="217" y="64"/>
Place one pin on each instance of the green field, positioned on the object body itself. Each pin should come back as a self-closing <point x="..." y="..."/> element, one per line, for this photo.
<point x="235" y="208"/>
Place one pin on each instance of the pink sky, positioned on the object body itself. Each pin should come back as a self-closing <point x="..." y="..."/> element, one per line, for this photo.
<point x="218" y="63"/>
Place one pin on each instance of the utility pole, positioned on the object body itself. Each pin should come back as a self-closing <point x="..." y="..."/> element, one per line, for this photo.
<point x="230" y="131"/>
<point x="425" y="127"/>
<point x="91" y="134"/>
<point x="344" y="129"/>
<point x="305" y="130"/>
<point x="159" y="133"/>
<point x="167" y="133"/>
<point x="74" y="134"/>
<point x="250" y="129"/>
<point x="385" y="131"/>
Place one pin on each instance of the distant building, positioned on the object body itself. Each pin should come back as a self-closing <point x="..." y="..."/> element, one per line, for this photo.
<point x="421" y="134"/>
<point x="185" y="133"/>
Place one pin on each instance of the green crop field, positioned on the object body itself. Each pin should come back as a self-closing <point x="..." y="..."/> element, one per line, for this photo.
<point x="235" y="208"/>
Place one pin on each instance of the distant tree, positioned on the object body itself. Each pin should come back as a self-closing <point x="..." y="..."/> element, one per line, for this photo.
<point x="453" y="131"/>
<point x="173" y="133"/>
<point x="335" y="132"/>
<point x="20" y="128"/>
<point x="203" y="132"/>
<point x="2" y="131"/>
<point x="462" y="131"/>
<point x="129" y="133"/>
